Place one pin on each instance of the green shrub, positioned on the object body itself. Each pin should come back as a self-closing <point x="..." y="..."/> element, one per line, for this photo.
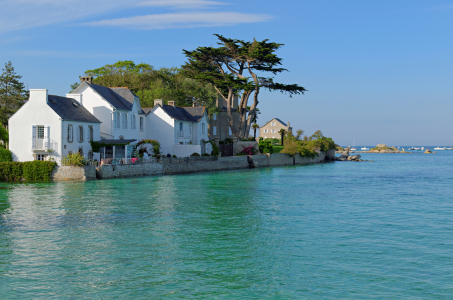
<point x="308" y="147"/>
<point x="5" y="155"/>
<point x="277" y="149"/>
<point x="74" y="159"/>
<point x="194" y="154"/>
<point x="29" y="170"/>
<point x="265" y="146"/>
<point x="205" y="154"/>
<point x="273" y="141"/>
<point x="38" y="170"/>
<point x="174" y="156"/>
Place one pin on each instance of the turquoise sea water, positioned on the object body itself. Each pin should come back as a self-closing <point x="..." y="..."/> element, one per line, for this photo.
<point x="380" y="229"/>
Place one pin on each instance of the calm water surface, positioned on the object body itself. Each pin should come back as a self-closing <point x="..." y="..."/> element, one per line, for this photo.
<point x="339" y="230"/>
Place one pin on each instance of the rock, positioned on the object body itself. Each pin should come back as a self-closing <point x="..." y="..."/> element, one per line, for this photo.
<point x="342" y="159"/>
<point x="355" y="157"/>
<point x="381" y="146"/>
<point x="343" y="155"/>
<point x="350" y="158"/>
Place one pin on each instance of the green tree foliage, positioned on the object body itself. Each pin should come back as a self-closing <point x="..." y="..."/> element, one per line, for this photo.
<point x="5" y="155"/>
<point x="308" y="147"/>
<point x="234" y="68"/>
<point x="4" y="135"/>
<point x="12" y="93"/>
<point x="149" y="84"/>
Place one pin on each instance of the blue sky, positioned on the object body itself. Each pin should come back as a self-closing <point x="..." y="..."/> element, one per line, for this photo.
<point x="376" y="71"/>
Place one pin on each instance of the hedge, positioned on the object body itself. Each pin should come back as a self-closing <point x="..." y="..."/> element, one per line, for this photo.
<point x="5" y="155"/>
<point x="29" y="170"/>
<point x="277" y="149"/>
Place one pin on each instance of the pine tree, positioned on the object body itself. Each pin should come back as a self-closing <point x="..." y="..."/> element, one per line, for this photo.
<point x="12" y="93"/>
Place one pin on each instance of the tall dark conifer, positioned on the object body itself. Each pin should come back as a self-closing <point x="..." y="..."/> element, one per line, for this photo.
<point x="12" y="93"/>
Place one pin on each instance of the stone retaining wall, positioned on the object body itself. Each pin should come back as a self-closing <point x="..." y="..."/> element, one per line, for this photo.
<point x="61" y="173"/>
<point x="170" y="166"/>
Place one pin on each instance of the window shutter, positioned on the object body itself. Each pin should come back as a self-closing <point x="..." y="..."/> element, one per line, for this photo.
<point x="33" y="135"/>
<point x="71" y="133"/>
<point x="114" y="119"/>
<point x="46" y="137"/>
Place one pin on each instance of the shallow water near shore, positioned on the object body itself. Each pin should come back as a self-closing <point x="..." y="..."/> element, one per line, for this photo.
<point x="380" y="229"/>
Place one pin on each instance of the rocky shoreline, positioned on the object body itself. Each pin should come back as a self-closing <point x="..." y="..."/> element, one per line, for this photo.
<point x="380" y="148"/>
<point x="346" y="157"/>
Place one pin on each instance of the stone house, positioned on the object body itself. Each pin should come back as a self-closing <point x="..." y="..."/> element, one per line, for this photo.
<point x="181" y="131"/>
<point x="48" y="126"/>
<point x="271" y="128"/>
<point x="219" y="125"/>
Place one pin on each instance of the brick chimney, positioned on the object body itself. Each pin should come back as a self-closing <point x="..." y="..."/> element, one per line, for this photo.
<point x="88" y="79"/>
<point x="172" y="103"/>
<point x="158" y="102"/>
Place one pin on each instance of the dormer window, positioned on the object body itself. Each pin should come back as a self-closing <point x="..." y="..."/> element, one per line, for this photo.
<point x="273" y="123"/>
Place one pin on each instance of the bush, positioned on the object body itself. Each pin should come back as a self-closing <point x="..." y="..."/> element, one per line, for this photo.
<point x="274" y="141"/>
<point x="174" y="156"/>
<point x="205" y="154"/>
<point x="75" y="160"/>
<point x="30" y="170"/>
<point x="194" y="154"/>
<point x="309" y="147"/>
<point x="5" y="155"/>
<point x="250" y="150"/>
<point x="265" y="146"/>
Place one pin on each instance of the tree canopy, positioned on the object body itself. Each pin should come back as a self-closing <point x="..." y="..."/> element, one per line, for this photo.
<point x="12" y="93"/>
<point x="149" y="83"/>
<point x="233" y="69"/>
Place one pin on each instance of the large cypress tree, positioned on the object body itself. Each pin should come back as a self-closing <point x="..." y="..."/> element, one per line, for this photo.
<point x="12" y="93"/>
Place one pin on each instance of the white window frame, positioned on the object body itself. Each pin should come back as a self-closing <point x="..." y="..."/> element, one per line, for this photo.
<point x="124" y="118"/>
<point x="70" y="133"/>
<point x="90" y="133"/>
<point x="40" y="132"/>
<point x="142" y="123"/>
<point x="266" y="130"/>
<point x="80" y="133"/>
<point x="273" y="131"/>
<point x="273" y="124"/>
<point x="133" y="122"/>
<point x="41" y="157"/>
<point x="117" y="119"/>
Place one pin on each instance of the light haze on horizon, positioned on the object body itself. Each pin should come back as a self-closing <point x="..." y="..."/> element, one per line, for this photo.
<point x="376" y="72"/>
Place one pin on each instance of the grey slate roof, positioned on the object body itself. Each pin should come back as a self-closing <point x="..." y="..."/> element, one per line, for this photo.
<point x="195" y="112"/>
<point x="70" y="110"/>
<point x="192" y="114"/>
<point x="147" y="110"/>
<point x="284" y="124"/>
<point x="118" y="97"/>
<point x="107" y="142"/>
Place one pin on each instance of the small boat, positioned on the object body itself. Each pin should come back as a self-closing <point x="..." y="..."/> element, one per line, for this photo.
<point x="365" y="149"/>
<point x="423" y="148"/>
<point x="439" y="148"/>
<point x="412" y="148"/>
<point x="353" y="148"/>
<point x="416" y="148"/>
<point x="450" y="148"/>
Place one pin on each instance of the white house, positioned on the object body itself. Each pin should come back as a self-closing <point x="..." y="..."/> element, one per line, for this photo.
<point x="118" y="108"/>
<point x="181" y="131"/>
<point x="48" y="126"/>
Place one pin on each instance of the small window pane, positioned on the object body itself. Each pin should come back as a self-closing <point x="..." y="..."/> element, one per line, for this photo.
<point x="40" y="130"/>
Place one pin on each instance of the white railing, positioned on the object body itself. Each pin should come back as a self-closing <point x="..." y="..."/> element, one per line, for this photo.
<point x="39" y="144"/>
<point x="184" y="134"/>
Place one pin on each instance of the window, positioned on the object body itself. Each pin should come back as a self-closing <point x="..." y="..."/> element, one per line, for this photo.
<point x="229" y="131"/>
<point x="116" y="119"/>
<point x="273" y="123"/>
<point x="41" y="157"/>
<point x="40" y="131"/>
<point x="70" y="134"/>
<point x="142" y="125"/>
<point x="266" y="131"/>
<point x="90" y="155"/>
<point x="80" y="137"/>
<point x="124" y="120"/>
<point x="203" y="130"/>
<point x="133" y="122"/>
<point x="214" y="130"/>
<point x="214" y="117"/>
<point x="90" y="128"/>
<point x="181" y="126"/>
<point x="273" y="130"/>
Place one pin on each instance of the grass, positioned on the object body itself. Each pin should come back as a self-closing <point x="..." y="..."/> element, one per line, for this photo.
<point x="277" y="149"/>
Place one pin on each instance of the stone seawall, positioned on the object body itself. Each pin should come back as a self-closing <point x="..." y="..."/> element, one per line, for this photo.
<point x="172" y="166"/>
<point x="62" y="173"/>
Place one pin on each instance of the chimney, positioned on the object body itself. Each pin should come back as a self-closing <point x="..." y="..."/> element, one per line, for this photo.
<point x="88" y="79"/>
<point x="158" y="102"/>
<point x="172" y="103"/>
<point x="76" y="97"/>
<point x="288" y="125"/>
<point x="39" y="95"/>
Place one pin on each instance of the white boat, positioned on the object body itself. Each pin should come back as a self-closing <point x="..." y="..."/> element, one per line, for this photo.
<point x="365" y="149"/>
<point x="439" y="148"/>
<point x="416" y="148"/>
<point x="353" y="148"/>
<point x="423" y="148"/>
<point x="411" y="148"/>
<point x="451" y="148"/>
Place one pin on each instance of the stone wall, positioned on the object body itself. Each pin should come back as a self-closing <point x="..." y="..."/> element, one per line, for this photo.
<point x="170" y="166"/>
<point x="61" y="173"/>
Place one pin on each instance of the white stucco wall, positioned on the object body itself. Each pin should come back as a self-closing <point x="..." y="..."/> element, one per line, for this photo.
<point x="75" y="144"/>
<point x="160" y="127"/>
<point x="34" y="112"/>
